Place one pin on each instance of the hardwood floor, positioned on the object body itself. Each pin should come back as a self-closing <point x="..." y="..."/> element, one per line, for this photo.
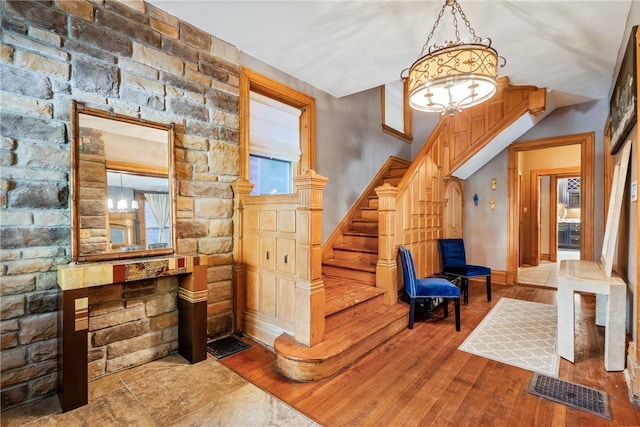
<point x="420" y="378"/>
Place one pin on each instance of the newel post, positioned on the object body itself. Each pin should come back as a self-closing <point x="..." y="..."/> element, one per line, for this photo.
<point x="241" y="190"/>
<point x="309" y="291"/>
<point x="386" y="268"/>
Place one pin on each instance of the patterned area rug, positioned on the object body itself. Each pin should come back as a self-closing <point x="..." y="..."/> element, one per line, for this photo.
<point x="518" y="333"/>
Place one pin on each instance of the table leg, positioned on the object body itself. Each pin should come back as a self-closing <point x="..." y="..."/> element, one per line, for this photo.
<point x="614" y="332"/>
<point x="74" y="359"/>
<point x="566" y="319"/>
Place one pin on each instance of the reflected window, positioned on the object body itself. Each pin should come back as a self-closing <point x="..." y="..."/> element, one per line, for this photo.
<point x="156" y="236"/>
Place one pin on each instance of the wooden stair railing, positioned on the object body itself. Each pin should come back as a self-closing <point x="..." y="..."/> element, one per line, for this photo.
<point x="351" y="251"/>
<point x="413" y="216"/>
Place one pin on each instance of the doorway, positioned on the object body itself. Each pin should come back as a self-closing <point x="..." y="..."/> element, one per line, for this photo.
<point x="555" y="213"/>
<point x="519" y="217"/>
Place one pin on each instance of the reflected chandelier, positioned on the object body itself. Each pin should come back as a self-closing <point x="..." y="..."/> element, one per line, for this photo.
<point x="455" y="75"/>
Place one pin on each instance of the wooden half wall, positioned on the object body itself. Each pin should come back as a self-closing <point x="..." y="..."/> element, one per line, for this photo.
<point x="278" y="262"/>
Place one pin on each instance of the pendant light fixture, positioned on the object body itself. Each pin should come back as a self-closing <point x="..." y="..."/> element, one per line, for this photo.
<point x="454" y="75"/>
<point x="122" y="203"/>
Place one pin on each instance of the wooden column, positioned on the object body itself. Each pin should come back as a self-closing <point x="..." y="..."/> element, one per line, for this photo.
<point x="74" y="359"/>
<point x="386" y="268"/>
<point x="309" y="291"/>
<point x="192" y="315"/>
<point x="241" y="189"/>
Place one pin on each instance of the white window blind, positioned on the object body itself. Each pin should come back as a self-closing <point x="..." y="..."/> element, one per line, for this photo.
<point x="274" y="129"/>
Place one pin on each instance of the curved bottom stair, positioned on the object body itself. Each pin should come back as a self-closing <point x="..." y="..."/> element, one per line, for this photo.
<point x="356" y="323"/>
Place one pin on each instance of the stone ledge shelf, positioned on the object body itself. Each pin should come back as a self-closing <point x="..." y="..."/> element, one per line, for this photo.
<point x="75" y="279"/>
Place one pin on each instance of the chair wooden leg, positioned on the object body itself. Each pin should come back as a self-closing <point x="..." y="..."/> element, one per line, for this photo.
<point x="457" y="311"/>
<point x="445" y="307"/>
<point x="465" y="289"/>
<point x="488" y="288"/>
<point x="412" y="311"/>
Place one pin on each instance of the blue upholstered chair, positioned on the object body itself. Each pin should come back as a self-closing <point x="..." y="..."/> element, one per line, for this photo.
<point x="430" y="287"/>
<point x="454" y="263"/>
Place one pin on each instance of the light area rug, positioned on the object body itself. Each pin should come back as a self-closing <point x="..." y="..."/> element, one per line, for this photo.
<point x="518" y="333"/>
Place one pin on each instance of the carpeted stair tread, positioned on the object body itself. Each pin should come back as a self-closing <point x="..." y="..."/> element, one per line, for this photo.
<point x="336" y="342"/>
<point x="341" y="294"/>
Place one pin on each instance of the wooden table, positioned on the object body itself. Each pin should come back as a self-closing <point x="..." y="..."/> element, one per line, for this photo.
<point x="587" y="276"/>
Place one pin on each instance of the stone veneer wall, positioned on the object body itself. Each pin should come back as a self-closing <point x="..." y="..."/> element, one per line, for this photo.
<point x="137" y="60"/>
<point x="131" y="323"/>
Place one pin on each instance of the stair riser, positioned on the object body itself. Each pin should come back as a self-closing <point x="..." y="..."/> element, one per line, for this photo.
<point x="345" y="273"/>
<point x="361" y="241"/>
<point x="368" y="227"/>
<point x="313" y="370"/>
<point x="374" y="203"/>
<point x="369" y="213"/>
<point x="345" y="317"/>
<point x="365" y="257"/>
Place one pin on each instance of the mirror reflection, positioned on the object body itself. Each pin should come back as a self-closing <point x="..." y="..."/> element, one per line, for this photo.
<point x="123" y="186"/>
<point x="139" y="212"/>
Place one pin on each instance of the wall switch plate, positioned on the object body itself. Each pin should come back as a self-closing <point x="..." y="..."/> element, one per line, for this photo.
<point x="634" y="191"/>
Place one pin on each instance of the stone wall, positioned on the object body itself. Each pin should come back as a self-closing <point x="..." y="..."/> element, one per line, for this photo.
<point x="131" y="323"/>
<point x="137" y="60"/>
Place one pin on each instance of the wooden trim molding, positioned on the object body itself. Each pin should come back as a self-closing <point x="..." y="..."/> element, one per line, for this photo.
<point x="256" y="82"/>
<point x="587" y="175"/>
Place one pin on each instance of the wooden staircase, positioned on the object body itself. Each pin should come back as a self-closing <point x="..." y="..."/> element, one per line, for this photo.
<point x="356" y="318"/>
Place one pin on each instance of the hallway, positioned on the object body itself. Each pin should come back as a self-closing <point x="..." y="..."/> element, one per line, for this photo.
<point x="545" y="274"/>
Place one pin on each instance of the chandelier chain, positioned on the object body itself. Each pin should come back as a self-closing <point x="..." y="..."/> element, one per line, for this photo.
<point x="435" y="25"/>
<point x="454" y="5"/>
<point x="475" y="38"/>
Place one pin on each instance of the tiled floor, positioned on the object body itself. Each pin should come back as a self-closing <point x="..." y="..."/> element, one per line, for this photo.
<point x="166" y="392"/>
<point x="546" y="273"/>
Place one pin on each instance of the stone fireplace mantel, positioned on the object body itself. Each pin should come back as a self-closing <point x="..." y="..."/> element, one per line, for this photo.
<point x="74" y="280"/>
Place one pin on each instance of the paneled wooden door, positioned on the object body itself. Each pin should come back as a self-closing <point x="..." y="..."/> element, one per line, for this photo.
<point x="453" y="211"/>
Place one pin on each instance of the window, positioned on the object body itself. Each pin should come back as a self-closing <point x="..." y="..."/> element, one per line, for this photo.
<point x="274" y="145"/>
<point x="395" y="111"/>
<point x="301" y="158"/>
<point x="270" y="176"/>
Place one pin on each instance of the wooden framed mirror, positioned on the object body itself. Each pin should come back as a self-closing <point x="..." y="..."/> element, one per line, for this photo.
<point x="123" y="198"/>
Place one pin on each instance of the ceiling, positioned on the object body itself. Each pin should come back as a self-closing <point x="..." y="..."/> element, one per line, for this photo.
<point x="344" y="47"/>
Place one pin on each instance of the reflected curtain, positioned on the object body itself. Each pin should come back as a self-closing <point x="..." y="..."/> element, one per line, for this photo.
<point x="159" y="206"/>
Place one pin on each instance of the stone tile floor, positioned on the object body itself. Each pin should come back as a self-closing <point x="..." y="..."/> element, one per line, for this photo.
<point x="165" y="392"/>
<point x="546" y="273"/>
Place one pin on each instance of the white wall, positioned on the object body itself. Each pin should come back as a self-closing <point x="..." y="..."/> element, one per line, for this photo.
<point x="484" y="230"/>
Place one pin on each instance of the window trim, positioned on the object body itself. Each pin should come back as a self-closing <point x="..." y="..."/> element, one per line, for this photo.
<point x="256" y="82"/>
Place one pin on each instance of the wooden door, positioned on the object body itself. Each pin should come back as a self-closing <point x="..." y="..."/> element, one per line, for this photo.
<point x="453" y="213"/>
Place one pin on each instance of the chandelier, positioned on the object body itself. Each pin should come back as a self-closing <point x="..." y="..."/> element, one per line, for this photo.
<point x="455" y="75"/>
